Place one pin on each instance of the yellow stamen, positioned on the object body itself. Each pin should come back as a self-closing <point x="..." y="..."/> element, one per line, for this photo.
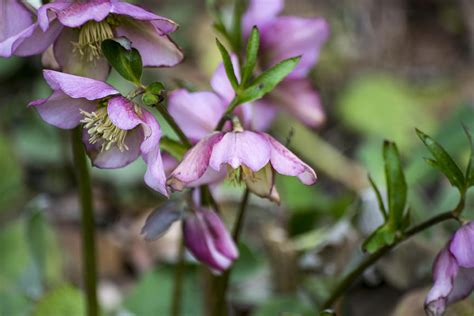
<point x="101" y="129"/>
<point x="91" y="36"/>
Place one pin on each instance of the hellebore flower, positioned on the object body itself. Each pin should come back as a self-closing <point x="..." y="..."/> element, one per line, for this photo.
<point x="207" y="238"/>
<point x="302" y="37"/>
<point x="116" y="131"/>
<point x="251" y="157"/>
<point x="453" y="272"/>
<point x="76" y="30"/>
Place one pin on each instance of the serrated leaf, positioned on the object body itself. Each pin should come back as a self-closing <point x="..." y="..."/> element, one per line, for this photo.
<point x="379" y="198"/>
<point x="229" y="68"/>
<point x="443" y="161"/>
<point x="383" y="236"/>
<point x="253" y="45"/>
<point x="396" y="184"/>
<point x="268" y="80"/>
<point x="123" y="58"/>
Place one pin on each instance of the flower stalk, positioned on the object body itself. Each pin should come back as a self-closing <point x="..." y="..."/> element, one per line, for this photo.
<point x="87" y="223"/>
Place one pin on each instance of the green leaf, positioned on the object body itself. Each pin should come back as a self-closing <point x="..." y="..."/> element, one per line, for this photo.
<point x="252" y="51"/>
<point x="155" y="87"/>
<point x="382" y="236"/>
<point x="469" y="168"/>
<point x="396" y="184"/>
<point x="64" y="300"/>
<point x="236" y="30"/>
<point x="229" y="67"/>
<point x="268" y="80"/>
<point x="443" y="161"/>
<point x="37" y="242"/>
<point x="125" y="59"/>
<point x="149" y="98"/>
<point x="379" y="198"/>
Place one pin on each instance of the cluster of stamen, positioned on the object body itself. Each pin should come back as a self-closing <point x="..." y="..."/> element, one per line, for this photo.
<point x="101" y="129"/>
<point x="91" y="36"/>
<point x="241" y="174"/>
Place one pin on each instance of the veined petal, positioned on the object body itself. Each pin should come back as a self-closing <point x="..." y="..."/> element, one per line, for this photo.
<point x="197" y="113"/>
<point x="462" y="245"/>
<point x="195" y="162"/>
<point x="241" y="149"/>
<point x="259" y="13"/>
<point x="44" y="15"/>
<point x="163" y="24"/>
<point x="114" y="158"/>
<point x="287" y="163"/>
<point x="62" y="111"/>
<point x="307" y="38"/>
<point x="122" y="113"/>
<point x="71" y="60"/>
<point x="78" y="87"/>
<point x="155" y="176"/>
<point x="78" y="13"/>
<point x="221" y="84"/>
<point x="298" y="97"/>
<point x="156" y="49"/>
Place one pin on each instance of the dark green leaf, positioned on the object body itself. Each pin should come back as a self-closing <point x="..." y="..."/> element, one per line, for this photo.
<point x="443" y="161"/>
<point x="379" y="198"/>
<point x="149" y="98"/>
<point x="268" y="80"/>
<point x="156" y="87"/>
<point x="252" y="51"/>
<point x="396" y="184"/>
<point x="383" y="236"/>
<point x="229" y="67"/>
<point x="125" y="59"/>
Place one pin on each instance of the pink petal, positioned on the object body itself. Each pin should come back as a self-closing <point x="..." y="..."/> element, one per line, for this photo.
<point x="164" y="25"/>
<point x="263" y="114"/>
<point x="155" y="176"/>
<point x="259" y="13"/>
<point x="122" y="113"/>
<point x="78" y="13"/>
<point x="62" y="111"/>
<point x="71" y="61"/>
<point x="15" y="17"/>
<point x="462" y="245"/>
<point x="194" y="163"/>
<point x="157" y="50"/>
<point x="197" y="113"/>
<point x="152" y="132"/>
<point x="44" y="15"/>
<point x="78" y="87"/>
<point x="241" y="148"/>
<point x="222" y="239"/>
<point x="114" y="158"/>
<point x="287" y="163"/>
<point x="221" y="84"/>
<point x="209" y="177"/>
<point x="306" y="39"/>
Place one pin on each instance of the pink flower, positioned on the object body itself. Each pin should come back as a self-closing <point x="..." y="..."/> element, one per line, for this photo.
<point x="76" y="30"/>
<point x="116" y="131"/>
<point x="252" y="157"/>
<point x="453" y="272"/>
<point x="208" y="240"/>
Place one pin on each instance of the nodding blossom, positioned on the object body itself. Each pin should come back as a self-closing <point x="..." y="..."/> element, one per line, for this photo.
<point x="453" y="272"/>
<point x="116" y="130"/>
<point x="76" y="29"/>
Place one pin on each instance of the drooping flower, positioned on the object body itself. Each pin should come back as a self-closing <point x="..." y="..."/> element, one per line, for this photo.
<point x="116" y="130"/>
<point x="207" y="238"/>
<point x="453" y="272"/>
<point x="76" y="30"/>
<point x="301" y="37"/>
<point x="251" y="157"/>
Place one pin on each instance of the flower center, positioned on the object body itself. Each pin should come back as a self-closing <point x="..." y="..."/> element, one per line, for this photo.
<point x="91" y="36"/>
<point x="241" y="174"/>
<point x="101" y="129"/>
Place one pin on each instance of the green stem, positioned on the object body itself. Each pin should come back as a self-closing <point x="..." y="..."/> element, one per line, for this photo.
<point x="178" y="282"/>
<point x="349" y="279"/>
<point x="87" y="222"/>
<point x="233" y="104"/>
<point x="169" y="119"/>
<point x="221" y="283"/>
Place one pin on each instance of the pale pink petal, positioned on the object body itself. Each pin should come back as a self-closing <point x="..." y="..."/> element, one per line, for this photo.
<point x="209" y="177"/>
<point x="287" y="163"/>
<point x="462" y="245"/>
<point x="122" y="113"/>
<point x="197" y="113"/>
<point x="62" y="111"/>
<point x="78" y="13"/>
<point x="259" y="13"/>
<point x="195" y="162"/>
<point x="263" y="114"/>
<point x="155" y="176"/>
<point x="48" y="12"/>
<point x="78" y="87"/>
<point x="221" y="84"/>
<point x="222" y="239"/>
<point x="157" y="50"/>
<point x="15" y="17"/>
<point x="152" y="132"/>
<point x="241" y="148"/>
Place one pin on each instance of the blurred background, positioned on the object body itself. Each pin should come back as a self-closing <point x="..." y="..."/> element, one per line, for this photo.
<point x="389" y="66"/>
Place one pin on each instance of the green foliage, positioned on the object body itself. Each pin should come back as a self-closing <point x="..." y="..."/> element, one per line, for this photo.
<point x="251" y="56"/>
<point x="149" y="98"/>
<point x="229" y="67"/>
<point x="268" y="80"/>
<point x="64" y="300"/>
<point x="284" y="305"/>
<point x="155" y="87"/>
<point x="11" y="184"/>
<point x="125" y="59"/>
